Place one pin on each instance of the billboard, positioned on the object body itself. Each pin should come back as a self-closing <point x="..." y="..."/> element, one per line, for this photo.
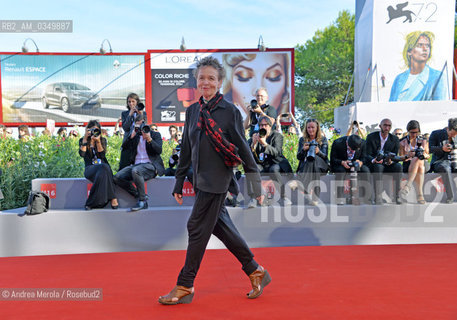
<point x="68" y="88"/>
<point x="404" y="50"/>
<point x="173" y="86"/>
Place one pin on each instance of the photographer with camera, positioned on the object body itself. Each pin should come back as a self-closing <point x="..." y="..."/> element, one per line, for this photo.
<point x="144" y="146"/>
<point x="266" y="146"/>
<point x="381" y="157"/>
<point x="257" y="109"/>
<point x="313" y="160"/>
<point x="415" y="150"/>
<point x="355" y="128"/>
<point x="443" y="146"/>
<point x="293" y="129"/>
<point x="173" y="161"/>
<point x="134" y="108"/>
<point x="346" y="156"/>
<point x="92" y="147"/>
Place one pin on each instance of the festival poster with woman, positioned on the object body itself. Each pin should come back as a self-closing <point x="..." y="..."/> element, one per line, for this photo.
<point x="173" y="84"/>
<point x="412" y="57"/>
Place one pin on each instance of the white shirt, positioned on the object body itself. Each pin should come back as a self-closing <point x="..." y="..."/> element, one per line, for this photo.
<point x="141" y="153"/>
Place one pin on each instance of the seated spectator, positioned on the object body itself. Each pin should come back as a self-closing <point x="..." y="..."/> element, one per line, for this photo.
<point x="347" y="154"/>
<point x="415" y="149"/>
<point x="8" y="133"/>
<point x="46" y="132"/>
<point x="92" y="147"/>
<point x="2" y="130"/>
<point x="266" y="146"/>
<point x="313" y="160"/>
<point x="173" y="130"/>
<point x="144" y="146"/>
<point x="23" y="131"/>
<point x="398" y="132"/>
<point x="443" y="145"/>
<point x="62" y="132"/>
<point x="380" y="147"/>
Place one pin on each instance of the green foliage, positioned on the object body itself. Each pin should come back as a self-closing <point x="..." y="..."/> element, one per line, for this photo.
<point x="323" y="69"/>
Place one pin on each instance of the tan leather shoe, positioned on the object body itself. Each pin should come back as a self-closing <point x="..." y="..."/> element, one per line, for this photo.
<point x="179" y="294"/>
<point x="259" y="280"/>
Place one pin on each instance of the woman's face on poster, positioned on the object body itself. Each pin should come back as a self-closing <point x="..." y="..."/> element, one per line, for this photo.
<point x="267" y="71"/>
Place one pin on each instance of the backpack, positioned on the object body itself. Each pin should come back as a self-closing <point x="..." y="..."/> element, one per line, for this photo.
<point x="37" y="203"/>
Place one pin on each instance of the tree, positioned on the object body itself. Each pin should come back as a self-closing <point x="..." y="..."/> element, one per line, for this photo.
<point x="323" y="69"/>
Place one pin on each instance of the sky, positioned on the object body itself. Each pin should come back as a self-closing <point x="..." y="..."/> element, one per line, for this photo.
<point x="139" y="25"/>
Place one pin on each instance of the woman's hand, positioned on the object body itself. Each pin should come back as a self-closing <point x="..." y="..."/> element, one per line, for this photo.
<point x="178" y="198"/>
<point x="306" y="146"/>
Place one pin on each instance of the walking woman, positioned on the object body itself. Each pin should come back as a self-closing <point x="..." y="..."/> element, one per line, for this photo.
<point x="92" y="147"/>
<point x="214" y="143"/>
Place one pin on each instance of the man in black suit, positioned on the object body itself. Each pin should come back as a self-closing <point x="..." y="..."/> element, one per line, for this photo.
<point x="387" y="143"/>
<point x="266" y="146"/>
<point x="441" y="143"/>
<point x="348" y="154"/>
<point x="144" y="147"/>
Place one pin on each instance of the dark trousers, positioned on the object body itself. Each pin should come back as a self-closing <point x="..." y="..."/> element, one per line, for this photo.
<point x="138" y="174"/>
<point x="443" y="167"/>
<point x="209" y="216"/>
<point x="377" y="169"/>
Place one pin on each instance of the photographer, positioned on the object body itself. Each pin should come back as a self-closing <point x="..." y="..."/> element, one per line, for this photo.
<point x="355" y="128"/>
<point x="443" y="146"/>
<point x="381" y="152"/>
<point x="415" y="149"/>
<point x="313" y="161"/>
<point x="293" y="129"/>
<point x="266" y="147"/>
<point x="134" y="108"/>
<point x="92" y="147"/>
<point x="144" y="146"/>
<point x="173" y="161"/>
<point x="346" y="156"/>
<point x="259" y="108"/>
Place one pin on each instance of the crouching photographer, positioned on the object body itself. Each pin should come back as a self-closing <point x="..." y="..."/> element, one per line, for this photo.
<point x="144" y="146"/>
<point x="443" y="146"/>
<point x="173" y="161"/>
<point x="346" y="157"/>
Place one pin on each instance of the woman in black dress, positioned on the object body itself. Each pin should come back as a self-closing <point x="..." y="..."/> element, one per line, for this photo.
<point x="92" y="147"/>
<point x="312" y="154"/>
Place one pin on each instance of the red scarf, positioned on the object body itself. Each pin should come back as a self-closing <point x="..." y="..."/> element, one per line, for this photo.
<point x="227" y="150"/>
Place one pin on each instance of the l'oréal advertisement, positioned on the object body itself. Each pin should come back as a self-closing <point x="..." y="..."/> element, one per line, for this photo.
<point x="412" y="57"/>
<point x="174" y="87"/>
<point x="68" y="88"/>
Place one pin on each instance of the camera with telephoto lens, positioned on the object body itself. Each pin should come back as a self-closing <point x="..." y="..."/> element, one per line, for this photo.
<point x="354" y="165"/>
<point x="143" y="128"/>
<point x="419" y="153"/>
<point x="95" y="132"/>
<point x="381" y="155"/>
<point x="453" y="156"/>
<point x="311" y="155"/>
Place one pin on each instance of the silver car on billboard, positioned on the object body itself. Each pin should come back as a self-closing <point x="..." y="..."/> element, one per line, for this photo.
<point x="68" y="95"/>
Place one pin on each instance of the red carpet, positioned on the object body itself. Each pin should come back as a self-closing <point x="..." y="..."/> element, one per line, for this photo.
<point x="347" y="282"/>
